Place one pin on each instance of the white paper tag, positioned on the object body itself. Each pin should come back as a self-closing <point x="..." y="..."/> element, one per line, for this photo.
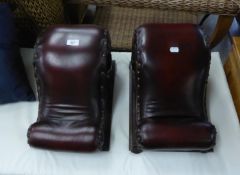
<point x="174" y="49"/>
<point x="73" y="42"/>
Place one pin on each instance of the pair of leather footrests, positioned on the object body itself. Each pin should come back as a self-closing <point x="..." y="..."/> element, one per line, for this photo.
<point x="168" y="74"/>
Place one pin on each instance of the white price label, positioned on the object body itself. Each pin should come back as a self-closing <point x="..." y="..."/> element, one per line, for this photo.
<point x="174" y="49"/>
<point x="73" y="42"/>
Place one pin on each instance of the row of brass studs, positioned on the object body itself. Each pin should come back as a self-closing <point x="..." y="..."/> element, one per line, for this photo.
<point x="138" y="102"/>
<point x="101" y="126"/>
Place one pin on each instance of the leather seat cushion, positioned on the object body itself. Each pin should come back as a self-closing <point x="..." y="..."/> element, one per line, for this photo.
<point x="160" y="134"/>
<point x="67" y="135"/>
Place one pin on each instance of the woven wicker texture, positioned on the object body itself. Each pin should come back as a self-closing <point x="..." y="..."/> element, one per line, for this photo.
<point x="32" y="16"/>
<point x="121" y="22"/>
<point x="43" y="12"/>
<point x="228" y="7"/>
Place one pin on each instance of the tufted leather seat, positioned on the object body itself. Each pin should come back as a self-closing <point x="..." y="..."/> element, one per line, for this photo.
<point x="75" y="74"/>
<point x="169" y="71"/>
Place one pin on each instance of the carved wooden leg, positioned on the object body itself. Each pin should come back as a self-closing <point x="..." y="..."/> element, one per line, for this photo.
<point x="221" y="28"/>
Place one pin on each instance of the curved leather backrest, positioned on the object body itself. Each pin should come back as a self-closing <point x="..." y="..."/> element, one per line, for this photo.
<point x="177" y="62"/>
<point x="68" y="72"/>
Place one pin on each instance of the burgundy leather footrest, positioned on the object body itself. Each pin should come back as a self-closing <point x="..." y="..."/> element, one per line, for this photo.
<point x="75" y="75"/>
<point x="169" y="71"/>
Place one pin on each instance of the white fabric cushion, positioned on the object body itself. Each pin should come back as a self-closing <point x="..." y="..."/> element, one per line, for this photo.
<point x="16" y="157"/>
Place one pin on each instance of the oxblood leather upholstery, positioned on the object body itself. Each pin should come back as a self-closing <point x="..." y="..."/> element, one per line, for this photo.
<point x="168" y="89"/>
<point x="75" y="87"/>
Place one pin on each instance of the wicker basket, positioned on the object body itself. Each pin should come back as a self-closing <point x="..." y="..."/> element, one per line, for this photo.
<point x="120" y="17"/>
<point x="226" y="7"/>
<point x="121" y="22"/>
